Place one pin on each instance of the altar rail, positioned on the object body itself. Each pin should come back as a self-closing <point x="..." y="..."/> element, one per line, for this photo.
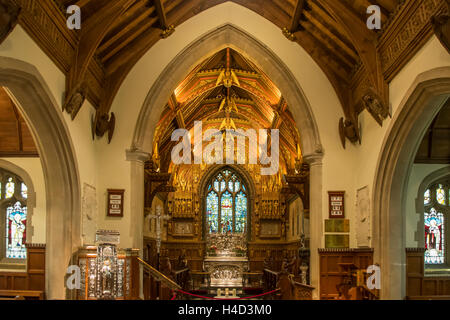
<point x="289" y="289"/>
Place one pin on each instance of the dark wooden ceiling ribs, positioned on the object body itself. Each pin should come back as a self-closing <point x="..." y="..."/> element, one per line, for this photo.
<point x="116" y="33"/>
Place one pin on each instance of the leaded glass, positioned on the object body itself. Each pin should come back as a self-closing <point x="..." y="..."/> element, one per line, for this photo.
<point x="16" y="217"/>
<point x="226" y="204"/>
<point x="427" y="197"/>
<point x="212" y="212"/>
<point x="216" y="185"/>
<point x="434" y="237"/>
<point x="241" y="212"/>
<point x="24" y="191"/>
<point x="226" y="213"/>
<point x="9" y="190"/>
<point x="440" y="195"/>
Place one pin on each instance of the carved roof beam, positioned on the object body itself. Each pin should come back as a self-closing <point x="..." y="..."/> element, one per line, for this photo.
<point x="161" y="14"/>
<point x="365" y="43"/>
<point x="93" y="31"/>
<point x="297" y="16"/>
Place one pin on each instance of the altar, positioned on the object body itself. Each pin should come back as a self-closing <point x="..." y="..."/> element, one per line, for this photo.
<point x="226" y="260"/>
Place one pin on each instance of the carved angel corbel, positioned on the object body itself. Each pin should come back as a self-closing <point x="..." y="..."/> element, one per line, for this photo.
<point x="9" y="15"/>
<point x="349" y="129"/>
<point x="74" y="101"/>
<point x="375" y="105"/>
<point x="103" y="123"/>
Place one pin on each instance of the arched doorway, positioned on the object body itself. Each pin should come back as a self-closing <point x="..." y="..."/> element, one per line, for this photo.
<point x="423" y="101"/>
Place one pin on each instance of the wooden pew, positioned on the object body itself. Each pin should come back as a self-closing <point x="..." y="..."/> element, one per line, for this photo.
<point x="25" y="294"/>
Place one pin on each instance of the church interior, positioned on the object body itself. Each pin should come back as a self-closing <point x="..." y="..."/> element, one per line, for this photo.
<point x="224" y="149"/>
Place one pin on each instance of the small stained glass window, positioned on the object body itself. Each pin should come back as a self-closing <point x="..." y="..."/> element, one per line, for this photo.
<point x="24" y="191"/>
<point x="9" y="188"/>
<point x="427" y="197"/>
<point x="440" y="195"/>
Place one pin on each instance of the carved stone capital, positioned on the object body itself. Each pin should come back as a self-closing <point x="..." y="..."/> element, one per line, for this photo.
<point x="137" y="155"/>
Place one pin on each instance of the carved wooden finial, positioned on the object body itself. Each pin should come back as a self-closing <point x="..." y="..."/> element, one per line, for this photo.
<point x="167" y="32"/>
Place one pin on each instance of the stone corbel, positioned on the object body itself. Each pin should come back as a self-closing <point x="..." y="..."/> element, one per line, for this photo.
<point x="75" y="99"/>
<point x="9" y="17"/>
<point x="375" y="105"/>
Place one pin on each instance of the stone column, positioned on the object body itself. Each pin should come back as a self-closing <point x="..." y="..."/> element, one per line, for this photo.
<point x="136" y="194"/>
<point x="315" y="220"/>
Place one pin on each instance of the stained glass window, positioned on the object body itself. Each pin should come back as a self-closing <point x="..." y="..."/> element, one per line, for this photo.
<point x="9" y="190"/>
<point x="434" y="237"/>
<point x="226" y="216"/>
<point x="24" y="191"/>
<point x="241" y="212"/>
<point x="227" y="204"/>
<point x="427" y="197"/>
<point x="436" y="213"/>
<point x="440" y="195"/>
<point x="16" y="217"/>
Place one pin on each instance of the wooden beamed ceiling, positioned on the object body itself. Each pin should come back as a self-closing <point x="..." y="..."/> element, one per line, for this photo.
<point x="203" y="95"/>
<point x="359" y="62"/>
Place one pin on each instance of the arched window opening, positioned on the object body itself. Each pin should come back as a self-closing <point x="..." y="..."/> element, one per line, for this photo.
<point x="226" y="203"/>
<point x="13" y="206"/>
<point x="436" y="215"/>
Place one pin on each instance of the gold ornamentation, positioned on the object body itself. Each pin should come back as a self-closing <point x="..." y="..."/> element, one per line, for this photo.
<point x="289" y="34"/>
<point x="167" y="32"/>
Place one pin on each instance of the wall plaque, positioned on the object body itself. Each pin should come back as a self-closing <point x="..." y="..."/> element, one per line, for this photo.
<point x="337" y="225"/>
<point x="336" y="201"/>
<point x="337" y="241"/>
<point x="115" y="203"/>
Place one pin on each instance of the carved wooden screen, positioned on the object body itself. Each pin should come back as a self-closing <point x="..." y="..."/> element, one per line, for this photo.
<point x="226" y="203"/>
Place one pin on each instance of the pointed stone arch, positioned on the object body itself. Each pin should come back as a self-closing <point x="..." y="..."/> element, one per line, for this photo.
<point x="59" y="165"/>
<point x="421" y="104"/>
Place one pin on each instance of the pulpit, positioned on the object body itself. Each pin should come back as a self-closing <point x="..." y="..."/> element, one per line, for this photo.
<point x="226" y="259"/>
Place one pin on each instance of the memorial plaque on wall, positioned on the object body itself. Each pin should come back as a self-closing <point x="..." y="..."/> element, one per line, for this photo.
<point x="115" y="203"/>
<point x="337" y="225"/>
<point x="336" y="201"/>
<point x="337" y="241"/>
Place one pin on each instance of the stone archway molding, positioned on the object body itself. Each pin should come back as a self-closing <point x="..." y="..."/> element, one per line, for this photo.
<point x="421" y="104"/>
<point x="57" y="154"/>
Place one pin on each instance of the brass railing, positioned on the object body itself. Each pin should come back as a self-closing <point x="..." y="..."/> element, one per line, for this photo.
<point x="169" y="283"/>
